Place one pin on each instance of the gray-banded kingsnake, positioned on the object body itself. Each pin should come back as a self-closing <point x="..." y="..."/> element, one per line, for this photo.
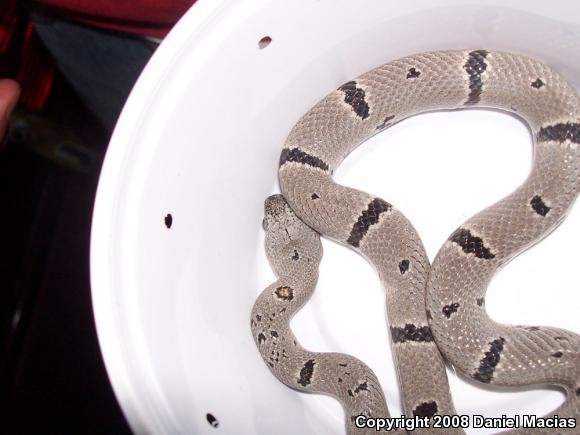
<point x="432" y="309"/>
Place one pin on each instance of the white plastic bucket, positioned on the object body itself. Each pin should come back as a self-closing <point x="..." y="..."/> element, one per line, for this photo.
<point x="199" y="139"/>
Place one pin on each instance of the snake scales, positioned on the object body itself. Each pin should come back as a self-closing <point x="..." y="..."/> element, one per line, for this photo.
<point x="432" y="309"/>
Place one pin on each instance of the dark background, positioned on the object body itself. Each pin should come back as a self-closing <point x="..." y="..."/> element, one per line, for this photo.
<point x="52" y="372"/>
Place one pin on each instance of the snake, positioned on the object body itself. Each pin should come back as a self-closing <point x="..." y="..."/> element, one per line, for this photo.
<point x="436" y="312"/>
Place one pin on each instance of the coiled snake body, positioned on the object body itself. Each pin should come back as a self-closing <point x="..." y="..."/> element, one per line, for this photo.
<point x="430" y="309"/>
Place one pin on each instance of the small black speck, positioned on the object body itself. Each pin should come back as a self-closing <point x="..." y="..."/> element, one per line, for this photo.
<point x="350" y="393"/>
<point x="212" y="420"/>
<point x="315" y="196"/>
<point x="404" y="266"/>
<point x="339" y="379"/>
<point x="168" y="220"/>
<point x="274" y="334"/>
<point x="342" y="364"/>
<point x="261" y="338"/>
<point x="539" y="206"/>
<point x="537" y="84"/>
<point x="578" y="392"/>
<point x="306" y="373"/>
<point x="426" y="409"/>
<point x="557" y="354"/>
<point x="295" y="257"/>
<point x="480" y="301"/>
<point x="258" y="317"/>
<point x="362" y="387"/>
<point x="413" y="73"/>
<point x="450" y="309"/>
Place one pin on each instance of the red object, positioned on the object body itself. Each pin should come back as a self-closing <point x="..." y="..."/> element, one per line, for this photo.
<point x="23" y="57"/>
<point x="8" y="20"/>
<point x="145" y="17"/>
<point x="35" y="71"/>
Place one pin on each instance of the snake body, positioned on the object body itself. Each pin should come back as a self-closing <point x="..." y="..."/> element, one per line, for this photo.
<point x="294" y="251"/>
<point x="439" y="308"/>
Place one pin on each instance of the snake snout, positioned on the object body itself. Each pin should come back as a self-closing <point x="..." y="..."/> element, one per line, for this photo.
<point x="276" y="209"/>
<point x="276" y="206"/>
<point x="273" y="200"/>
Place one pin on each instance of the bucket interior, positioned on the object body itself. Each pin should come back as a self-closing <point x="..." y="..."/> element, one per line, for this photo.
<point x="177" y="255"/>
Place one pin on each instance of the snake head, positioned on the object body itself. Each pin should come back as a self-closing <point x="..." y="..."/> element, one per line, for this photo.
<point x="282" y="224"/>
<point x="277" y="214"/>
<point x="287" y="236"/>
